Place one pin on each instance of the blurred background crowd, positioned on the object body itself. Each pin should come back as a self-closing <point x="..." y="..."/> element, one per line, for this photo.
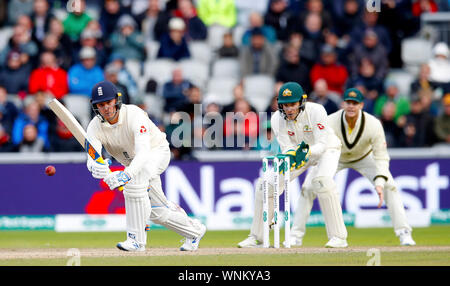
<point x="209" y="58"/>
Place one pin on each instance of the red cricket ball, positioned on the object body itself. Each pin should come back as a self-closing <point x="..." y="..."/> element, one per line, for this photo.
<point x="50" y="170"/>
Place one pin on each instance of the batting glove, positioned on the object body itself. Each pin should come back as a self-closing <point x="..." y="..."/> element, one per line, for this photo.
<point x="98" y="170"/>
<point x="117" y="179"/>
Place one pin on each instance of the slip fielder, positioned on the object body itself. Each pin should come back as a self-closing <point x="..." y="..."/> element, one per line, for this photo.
<point x="127" y="133"/>
<point x="302" y="131"/>
<point x="364" y="150"/>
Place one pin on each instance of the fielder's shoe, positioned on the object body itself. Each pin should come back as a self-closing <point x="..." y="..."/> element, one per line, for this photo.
<point x="192" y="244"/>
<point x="250" y="242"/>
<point x="406" y="238"/>
<point x="295" y="241"/>
<point x="130" y="245"/>
<point x="336" y="242"/>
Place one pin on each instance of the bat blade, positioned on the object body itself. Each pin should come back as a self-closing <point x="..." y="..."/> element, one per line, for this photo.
<point x="76" y="129"/>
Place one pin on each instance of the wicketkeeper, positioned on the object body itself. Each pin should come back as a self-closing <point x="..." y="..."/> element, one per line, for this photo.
<point x="302" y="131"/>
<point x="127" y="133"/>
<point x="364" y="150"/>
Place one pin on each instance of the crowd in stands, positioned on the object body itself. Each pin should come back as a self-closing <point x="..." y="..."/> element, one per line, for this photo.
<point x="60" y="48"/>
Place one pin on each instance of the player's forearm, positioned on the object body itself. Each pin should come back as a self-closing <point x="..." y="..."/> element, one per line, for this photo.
<point x="142" y="151"/>
<point x="317" y="149"/>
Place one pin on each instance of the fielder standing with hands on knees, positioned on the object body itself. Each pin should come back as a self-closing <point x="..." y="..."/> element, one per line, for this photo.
<point x="302" y="130"/>
<point x="127" y="133"/>
<point x="364" y="150"/>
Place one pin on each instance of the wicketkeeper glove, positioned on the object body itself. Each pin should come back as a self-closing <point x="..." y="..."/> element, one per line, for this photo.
<point x="302" y="154"/>
<point x="117" y="179"/>
<point x="98" y="170"/>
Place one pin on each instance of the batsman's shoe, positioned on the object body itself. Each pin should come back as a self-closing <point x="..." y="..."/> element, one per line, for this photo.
<point x="192" y="244"/>
<point x="250" y="242"/>
<point x="295" y="241"/>
<point x="336" y="242"/>
<point x="130" y="245"/>
<point x="406" y="238"/>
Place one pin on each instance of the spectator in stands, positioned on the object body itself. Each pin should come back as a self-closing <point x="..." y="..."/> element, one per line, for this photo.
<point x="174" y="92"/>
<point x="112" y="71"/>
<point x="83" y="76"/>
<point x="292" y="68"/>
<point x="370" y="48"/>
<point x="273" y="105"/>
<point x="331" y="102"/>
<point x="279" y="17"/>
<point x="241" y="127"/>
<point x="31" y="142"/>
<point x="228" y="48"/>
<point x="330" y="70"/>
<point x="16" y="8"/>
<point x="392" y="94"/>
<point x="173" y="45"/>
<point x="219" y="12"/>
<point x="392" y="130"/>
<point x="41" y="17"/>
<point x="52" y="45"/>
<point x="76" y="21"/>
<point x="439" y="64"/>
<point x="313" y="38"/>
<point x="65" y="43"/>
<point x="30" y="115"/>
<point x="238" y="93"/>
<point x="370" y="21"/>
<point x="6" y="144"/>
<point x="317" y="7"/>
<point x="422" y="82"/>
<point x="14" y="77"/>
<point x="442" y="122"/>
<point x="154" y="21"/>
<point x="421" y="135"/>
<point x="349" y="18"/>
<point x="124" y="76"/>
<point x="90" y="38"/>
<point x="127" y="41"/>
<point x="256" y="20"/>
<point x="109" y="16"/>
<point x="49" y="77"/>
<point x="259" y="57"/>
<point x="373" y="86"/>
<point x="195" y="28"/>
<point x="424" y="6"/>
<point x="20" y="42"/>
<point x="8" y="112"/>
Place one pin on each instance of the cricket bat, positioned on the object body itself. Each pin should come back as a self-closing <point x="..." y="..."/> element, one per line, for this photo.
<point x="77" y="130"/>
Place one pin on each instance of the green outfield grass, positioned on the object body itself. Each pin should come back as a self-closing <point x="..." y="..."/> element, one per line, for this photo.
<point x="436" y="236"/>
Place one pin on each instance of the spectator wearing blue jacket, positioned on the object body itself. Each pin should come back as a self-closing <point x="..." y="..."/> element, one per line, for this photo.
<point x="30" y="115"/>
<point x="173" y="45"/>
<point x="83" y="76"/>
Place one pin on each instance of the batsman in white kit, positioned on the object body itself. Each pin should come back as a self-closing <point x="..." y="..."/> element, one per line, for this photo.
<point x="364" y="150"/>
<point x="127" y="134"/>
<point x="302" y="131"/>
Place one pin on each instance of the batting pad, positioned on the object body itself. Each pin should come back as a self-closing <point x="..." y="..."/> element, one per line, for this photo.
<point x="138" y="210"/>
<point x="325" y="188"/>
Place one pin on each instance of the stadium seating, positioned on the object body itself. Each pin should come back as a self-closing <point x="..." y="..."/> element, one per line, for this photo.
<point x="414" y="52"/>
<point x="80" y="107"/>
<point x="258" y="90"/>
<point x="200" y="50"/>
<point x="221" y="89"/>
<point x="226" y="67"/>
<point x="195" y="71"/>
<point x="159" y="69"/>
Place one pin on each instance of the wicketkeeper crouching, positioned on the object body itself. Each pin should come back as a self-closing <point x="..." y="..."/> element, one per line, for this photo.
<point x="302" y="131"/>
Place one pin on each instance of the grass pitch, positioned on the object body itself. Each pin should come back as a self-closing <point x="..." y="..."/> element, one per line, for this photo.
<point x="218" y="248"/>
